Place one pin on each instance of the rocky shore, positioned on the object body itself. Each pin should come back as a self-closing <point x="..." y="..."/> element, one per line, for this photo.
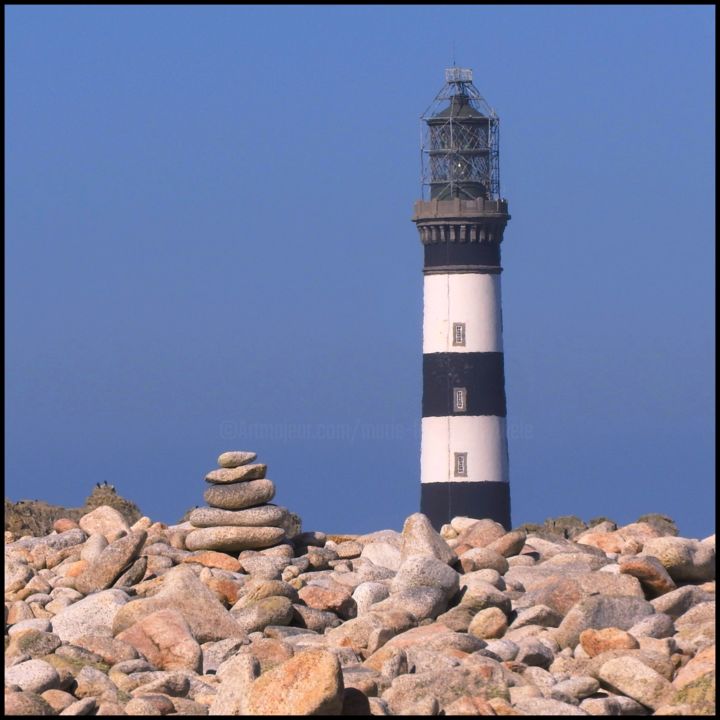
<point x="104" y="617"/>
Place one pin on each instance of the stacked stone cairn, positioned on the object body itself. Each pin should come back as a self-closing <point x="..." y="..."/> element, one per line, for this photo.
<point x="240" y="516"/>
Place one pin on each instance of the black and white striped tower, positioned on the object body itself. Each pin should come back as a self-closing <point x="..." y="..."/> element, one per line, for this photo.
<point x="461" y="219"/>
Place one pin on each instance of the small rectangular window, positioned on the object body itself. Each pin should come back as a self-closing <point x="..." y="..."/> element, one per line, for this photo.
<point x="458" y="333"/>
<point x="459" y="400"/>
<point x="460" y="464"/>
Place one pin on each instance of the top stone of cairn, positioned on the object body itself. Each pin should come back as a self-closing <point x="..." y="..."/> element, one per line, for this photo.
<point x="235" y="458"/>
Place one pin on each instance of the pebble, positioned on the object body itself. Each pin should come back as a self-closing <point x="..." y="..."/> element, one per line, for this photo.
<point x="234" y="475"/>
<point x="272" y="515"/>
<point x="388" y="622"/>
<point x="232" y="538"/>
<point x="235" y="458"/>
<point x="240" y="495"/>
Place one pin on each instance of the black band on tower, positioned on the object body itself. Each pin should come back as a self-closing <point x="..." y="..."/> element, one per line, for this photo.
<point x="455" y="253"/>
<point x="481" y="374"/>
<point x="443" y="501"/>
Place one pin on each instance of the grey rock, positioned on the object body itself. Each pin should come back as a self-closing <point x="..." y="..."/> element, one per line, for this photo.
<point x="420" y="538"/>
<point x="238" y="474"/>
<point x="383" y="554"/>
<point x="257" y="588"/>
<point x="679" y="601"/>
<point x="93" y="546"/>
<point x="33" y="676"/>
<point x="313" y="619"/>
<point x="658" y="625"/>
<point x="629" y="676"/>
<point x="235" y="458"/>
<point x="86" y="706"/>
<point x="547" y="706"/>
<point x="134" y="574"/>
<point x="273" y="610"/>
<point x="684" y="559"/>
<point x="533" y="652"/>
<point x="420" y="660"/>
<point x="181" y="589"/>
<point x="480" y="594"/>
<point x="483" y="677"/>
<point x="598" y="612"/>
<point x="578" y="687"/>
<point x="537" y="615"/>
<point x="262" y="515"/>
<point x="32" y="643"/>
<point x="261" y="566"/>
<point x="128" y="667"/>
<point x="238" y="673"/>
<point x="503" y="649"/>
<point x="40" y="624"/>
<point x="111" y="562"/>
<point x="93" y="615"/>
<point x="366" y="594"/>
<point x="17" y="575"/>
<point x="25" y="703"/>
<point x="349" y="549"/>
<point x="216" y="653"/>
<point x="601" y="706"/>
<point x="239" y="496"/>
<point x="418" y="570"/>
<point x="458" y="618"/>
<point x="702" y="612"/>
<point x="104" y="519"/>
<point x="482" y="559"/>
<point x="91" y="682"/>
<point x="167" y="683"/>
<point x="233" y="539"/>
<point x="423" y="601"/>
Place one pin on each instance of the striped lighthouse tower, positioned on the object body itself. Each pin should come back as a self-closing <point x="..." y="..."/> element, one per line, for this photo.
<point x="464" y="453"/>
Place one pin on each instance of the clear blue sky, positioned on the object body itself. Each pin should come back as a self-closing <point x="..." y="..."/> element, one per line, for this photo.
<point x="209" y="247"/>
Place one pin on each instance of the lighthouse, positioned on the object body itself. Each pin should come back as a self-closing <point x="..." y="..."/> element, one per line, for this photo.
<point x="461" y="219"/>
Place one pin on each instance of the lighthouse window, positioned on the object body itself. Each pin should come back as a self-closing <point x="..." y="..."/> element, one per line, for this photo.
<point x="460" y="464"/>
<point x="459" y="400"/>
<point x="458" y="333"/>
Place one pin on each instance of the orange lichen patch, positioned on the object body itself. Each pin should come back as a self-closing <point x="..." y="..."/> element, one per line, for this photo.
<point x="213" y="559"/>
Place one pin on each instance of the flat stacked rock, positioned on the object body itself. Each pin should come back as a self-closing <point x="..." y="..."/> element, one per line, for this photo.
<point x="240" y="516"/>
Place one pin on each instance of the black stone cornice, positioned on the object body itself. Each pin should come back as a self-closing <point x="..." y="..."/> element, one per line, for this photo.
<point x="461" y="221"/>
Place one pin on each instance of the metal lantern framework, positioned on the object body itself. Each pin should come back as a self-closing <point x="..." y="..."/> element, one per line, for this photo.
<point x="460" y="143"/>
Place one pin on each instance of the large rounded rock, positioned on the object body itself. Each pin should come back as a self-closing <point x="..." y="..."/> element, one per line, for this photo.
<point x="268" y="515"/>
<point x="235" y="458"/>
<point x="418" y="570"/>
<point x="481" y="533"/>
<point x="181" y="589"/>
<point x="273" y="610"/>
<point x="598" y="612"/>
<point x="26" y="703"/>
<point x="238" y="496"/>
<point x="233" y="539"/>
<point x="650" y="572"/>
<point x="92" y="616"/>
<point x="628" y="676"/>
<point x="33" y="676"/>
<point x="488" y="624"/>
<point x="238" y="474"/>
<point x="111" y="562"/>
<point x="310" y="683"/>
<point x="165" y="640"/>
<point x="685" y="560"/>
<point x="420" y="538"/>
<point x="104" y="520"/>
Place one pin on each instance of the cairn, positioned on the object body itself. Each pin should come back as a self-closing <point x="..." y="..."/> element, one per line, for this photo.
<point x="240" y="515"/>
